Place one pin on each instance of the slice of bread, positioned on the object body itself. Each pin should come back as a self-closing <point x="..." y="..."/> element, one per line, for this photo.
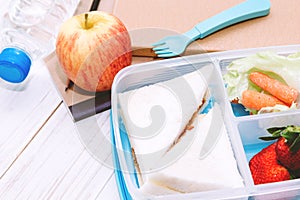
<point x="156" y="116"/>
<point x="190" y="173"/>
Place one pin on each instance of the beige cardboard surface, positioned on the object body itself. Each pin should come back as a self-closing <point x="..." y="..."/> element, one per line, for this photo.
<point x="280" y="27"/>
<point x="149" y="20"/>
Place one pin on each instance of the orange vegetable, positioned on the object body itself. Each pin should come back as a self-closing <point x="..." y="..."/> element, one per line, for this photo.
<point x="279" y="90"/>
<point x="255" y="100"/>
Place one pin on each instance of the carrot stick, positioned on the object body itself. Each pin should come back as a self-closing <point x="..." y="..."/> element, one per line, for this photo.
<point x="255" y="100"/>
<point x="279" y="90"/>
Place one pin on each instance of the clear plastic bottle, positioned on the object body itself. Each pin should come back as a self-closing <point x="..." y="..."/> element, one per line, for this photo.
<point x="18" y="52"/>
<point x="29" y="31"/>
<point x="27" y="13"/>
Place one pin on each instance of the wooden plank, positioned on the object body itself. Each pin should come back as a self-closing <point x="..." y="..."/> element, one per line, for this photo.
<point x="58" y="164"/>
<point x="110" y="191"/>
<point x="23" y="111"/>
<point x="42" y="155"/>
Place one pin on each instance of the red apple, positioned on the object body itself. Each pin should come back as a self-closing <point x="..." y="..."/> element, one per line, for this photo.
<point x="91" y="48"/>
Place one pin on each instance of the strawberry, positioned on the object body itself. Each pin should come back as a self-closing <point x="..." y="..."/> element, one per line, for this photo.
<point x="265" y="168"/>
<point x="288" y="145"/>
<point x="288" y="158"/>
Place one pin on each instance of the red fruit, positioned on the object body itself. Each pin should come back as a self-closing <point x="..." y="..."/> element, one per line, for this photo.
<point x="288" y="145"/>
<point x="265" y="168"/>
<point x="288" y="158"/>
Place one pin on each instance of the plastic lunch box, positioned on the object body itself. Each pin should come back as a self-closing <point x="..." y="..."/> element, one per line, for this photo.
<point x="243" y="131"/>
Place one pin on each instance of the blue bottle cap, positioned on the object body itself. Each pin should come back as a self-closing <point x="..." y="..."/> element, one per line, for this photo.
<point x="14" y="65"/>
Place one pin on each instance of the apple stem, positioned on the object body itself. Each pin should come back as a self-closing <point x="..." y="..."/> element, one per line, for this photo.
<point x="86" y="15"/>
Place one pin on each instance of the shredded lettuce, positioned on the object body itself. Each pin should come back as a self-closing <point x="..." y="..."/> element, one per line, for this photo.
<point x="277" y="108"/>
<point x="283" y="68"/>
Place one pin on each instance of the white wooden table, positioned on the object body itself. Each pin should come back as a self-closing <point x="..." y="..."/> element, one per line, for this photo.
<point x="42" y="155"/>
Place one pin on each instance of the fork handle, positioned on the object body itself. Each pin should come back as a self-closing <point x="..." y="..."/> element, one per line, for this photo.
<point x="244" y="11"/>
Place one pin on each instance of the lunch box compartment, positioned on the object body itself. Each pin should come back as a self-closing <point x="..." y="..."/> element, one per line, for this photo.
<point x="243" y="131"/>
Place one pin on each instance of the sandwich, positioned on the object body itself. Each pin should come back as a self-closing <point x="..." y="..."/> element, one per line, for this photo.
<point x="166" y="133"/>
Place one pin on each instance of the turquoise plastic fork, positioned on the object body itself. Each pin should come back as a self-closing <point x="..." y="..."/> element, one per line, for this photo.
<point x="176" y="44"/>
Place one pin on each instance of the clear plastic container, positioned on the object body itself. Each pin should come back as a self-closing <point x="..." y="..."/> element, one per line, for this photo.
<point x="243" y="131"/>
<point x="29" y="33"/>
